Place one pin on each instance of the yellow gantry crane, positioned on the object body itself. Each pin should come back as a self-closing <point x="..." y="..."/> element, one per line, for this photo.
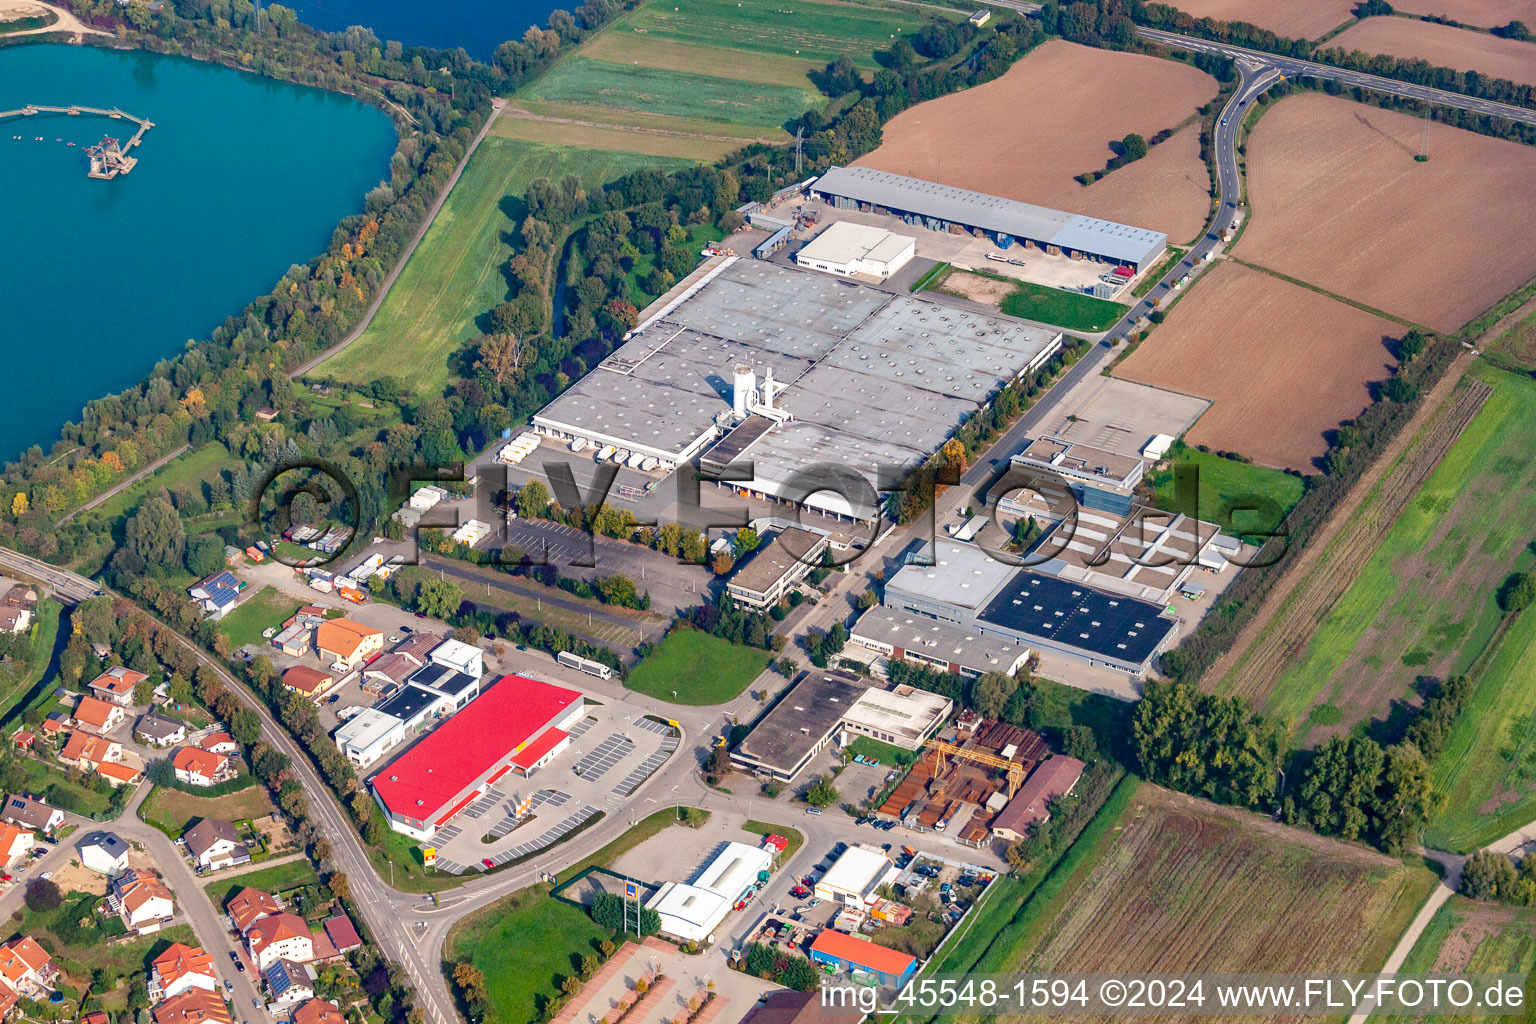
<point x="1013" y="768"/>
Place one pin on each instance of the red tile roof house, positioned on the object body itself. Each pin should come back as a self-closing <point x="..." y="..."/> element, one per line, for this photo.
<point x="26" y="968"/>
<point x="318" y="1011"/>
<point x="116" y="685"/>
<point x="279" y="937"/>
<point x="342" y="933"/>
<point x="1053" y="778"/>
<point x="197" y="767"/>
<point x="220" y="743"/>
<point x="193" y="1006"/>
<point x="179" y="968"/>
<point x="463" y="757"/>
<point x="249" y="905"/>
<point x="97" y="715"/>
<point x="310" y="682"/>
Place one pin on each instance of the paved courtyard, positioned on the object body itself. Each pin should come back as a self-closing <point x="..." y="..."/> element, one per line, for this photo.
<point x="613" y="751"/>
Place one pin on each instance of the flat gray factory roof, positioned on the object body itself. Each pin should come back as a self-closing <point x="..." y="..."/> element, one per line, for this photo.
<point x="801" y="718"/>
<point x="870" y="378"/>
<point x="994" y="213"/>
<point x="944" y="641"/>
<point x="962" y="575"/>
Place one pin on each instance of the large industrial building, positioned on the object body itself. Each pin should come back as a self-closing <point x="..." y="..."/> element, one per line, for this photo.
<point x="968" y="589"/>
<point x="1005" y="221"/>
<point x="459" y="760"/>
<point x="824" y="702"/>
<point x="692" y="910"/>
<point x="848" y="249"/>
<point x="784" y="370"/>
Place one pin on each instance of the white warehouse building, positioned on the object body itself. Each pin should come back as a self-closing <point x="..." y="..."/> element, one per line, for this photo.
<point x="848" y="249"/>
<point x="692" y="911"/>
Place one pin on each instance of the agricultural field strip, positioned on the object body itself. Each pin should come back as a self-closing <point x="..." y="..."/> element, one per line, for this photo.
<point x="1313" y="594"/>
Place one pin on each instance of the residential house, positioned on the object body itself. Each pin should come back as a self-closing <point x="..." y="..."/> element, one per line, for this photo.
<point x="345" y="644"/>
<point x="277" y="937"/>
<point x="386" y="674"/>
<point x="97" y="715"/>
<point x="116" y="685"/>
<point x="27" y="968"/>
<point x="159" y="731"/>
<point x="318" y="1011"/>
<point x="194" y="1006"/>
<point x="24" y="739"/>
<point x="118" y="773"/>
<point x="15" y="843"/>
<point x="217" y="594"/>
<point x="215" y="844"/>
<point x="418" y="645"/>
<point x="220" y="743"/>
<point x="56" y="724"/>
<point x="85" y="750"/>
<point x="179" y="969"/>
<point x="104" y="853"/>
<point x="198" y="767"/>
<point x="142" y="900"/>
<point x="15" y="620"/>
<point x="248" y="906"/>
<point x="342" y="933"/>
<point x="96" y="1017"/>
<point x="308" y="682"/>
<point x="36" y="815"/>
<point x="290" y="982"/>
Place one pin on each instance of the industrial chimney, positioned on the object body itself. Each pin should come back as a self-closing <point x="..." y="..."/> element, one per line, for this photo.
<point x="744" y="384"/>
<point x="768" y="388"/>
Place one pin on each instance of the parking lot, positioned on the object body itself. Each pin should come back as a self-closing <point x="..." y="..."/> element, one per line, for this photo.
<point x="613" y="751"/>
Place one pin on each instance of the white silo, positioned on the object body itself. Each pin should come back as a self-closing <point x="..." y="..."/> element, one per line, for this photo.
<point x="743" y="384"/>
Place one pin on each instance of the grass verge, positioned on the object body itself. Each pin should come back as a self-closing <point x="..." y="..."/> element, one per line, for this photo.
<point x="690" y="667"/>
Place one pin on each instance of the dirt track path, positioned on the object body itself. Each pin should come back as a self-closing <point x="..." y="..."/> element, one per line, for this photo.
<point x="528" y="115"/>
<point x="1315" y="581"/>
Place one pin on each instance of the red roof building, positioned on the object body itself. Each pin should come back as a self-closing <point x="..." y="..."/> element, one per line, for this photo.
<point x="456" y="762"/>
<point x="541" y="751"/>
<point x="848" y="952"/>
<point x="1054" y="778"/>
<point x="194" y="1006"/>
<point x="249" y="905"/>
<point x="318" y="1011"/>
<point x="342" y="933"/>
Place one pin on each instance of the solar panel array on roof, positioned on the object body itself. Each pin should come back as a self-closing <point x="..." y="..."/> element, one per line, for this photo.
<point x="1072" y="615"/>
<point x="993" y="213"/>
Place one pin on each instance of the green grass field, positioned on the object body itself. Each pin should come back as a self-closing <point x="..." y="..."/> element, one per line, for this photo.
<point x="1424" y="603"/>
<point x="816" y="31"/>
<point x="887" y="754"/>
<point x="1223" y="484"/>
<point x="277" y="878"/>
<point x="1071" y="310"/>
<point x="458" y="272"/>
<point x="702" y="669"/>
<point x="267" y="607"/>
<point x="192" y="468"/>
<point x="20" y="678"/>
<point x="172" y="811"/>
<point x="526" y="945"/>
<point x="1471" y="937"/>
<point x="673" y="93"/>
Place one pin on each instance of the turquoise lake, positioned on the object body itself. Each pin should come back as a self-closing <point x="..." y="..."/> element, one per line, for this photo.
<point x="240" y="178"/>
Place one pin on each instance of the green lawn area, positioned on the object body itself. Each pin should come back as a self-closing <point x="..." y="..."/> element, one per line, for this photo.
<point x="458" y="272"/>
<point x="50" y="782"/>
<point x="1465" y="936"/>
<point x="1225" y="484"/>
<point x="816" y="31"/>
<point x="267" y="607"/>
<point x="79" y="949"/>
<point x="20" y="679"/>
<point x="698" y="668"/>
<point x="526" y="945"/>
<point x="194" y="467"/>
<point x="1061" y="706"/>
<point x="1425" y="602"/>
<point x="1071" y="310"/>
<point x="887" y="754"/>
<point x="277" y="878"/>
<point x="672" y="93"/>
<point x="172" y="811"/>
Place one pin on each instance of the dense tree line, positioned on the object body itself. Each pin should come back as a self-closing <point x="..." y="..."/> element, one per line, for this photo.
<point x="1352" y="448"/>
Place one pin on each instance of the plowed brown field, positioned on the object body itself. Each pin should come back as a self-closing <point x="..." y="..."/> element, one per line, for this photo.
<point x="1482" y="13"/>
<point x="1339" y="201"/>
<point x="1296" y="19"/>
<point x="1185" y="886"/>
<point x="1281" y="364"/>
<point x="1026" y="135"/>
<point x="1442" y="46"/>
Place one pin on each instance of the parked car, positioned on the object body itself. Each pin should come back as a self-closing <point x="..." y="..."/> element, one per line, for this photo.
<point x="799" y="892"/>
<point x="46" y="875"/>
<point x="815" y="903"/>
<point x="239" y="966"/>
<point x="256" y="1003"/>
<point x="487" y="862"/>
<point x="813" y="810"/>
<point x="229" y="986"/>
<point x="394" y="639"/>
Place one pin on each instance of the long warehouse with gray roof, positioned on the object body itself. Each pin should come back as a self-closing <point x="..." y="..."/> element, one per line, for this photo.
<point x="787" y="370"/>
<point x="943" y="207"/>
